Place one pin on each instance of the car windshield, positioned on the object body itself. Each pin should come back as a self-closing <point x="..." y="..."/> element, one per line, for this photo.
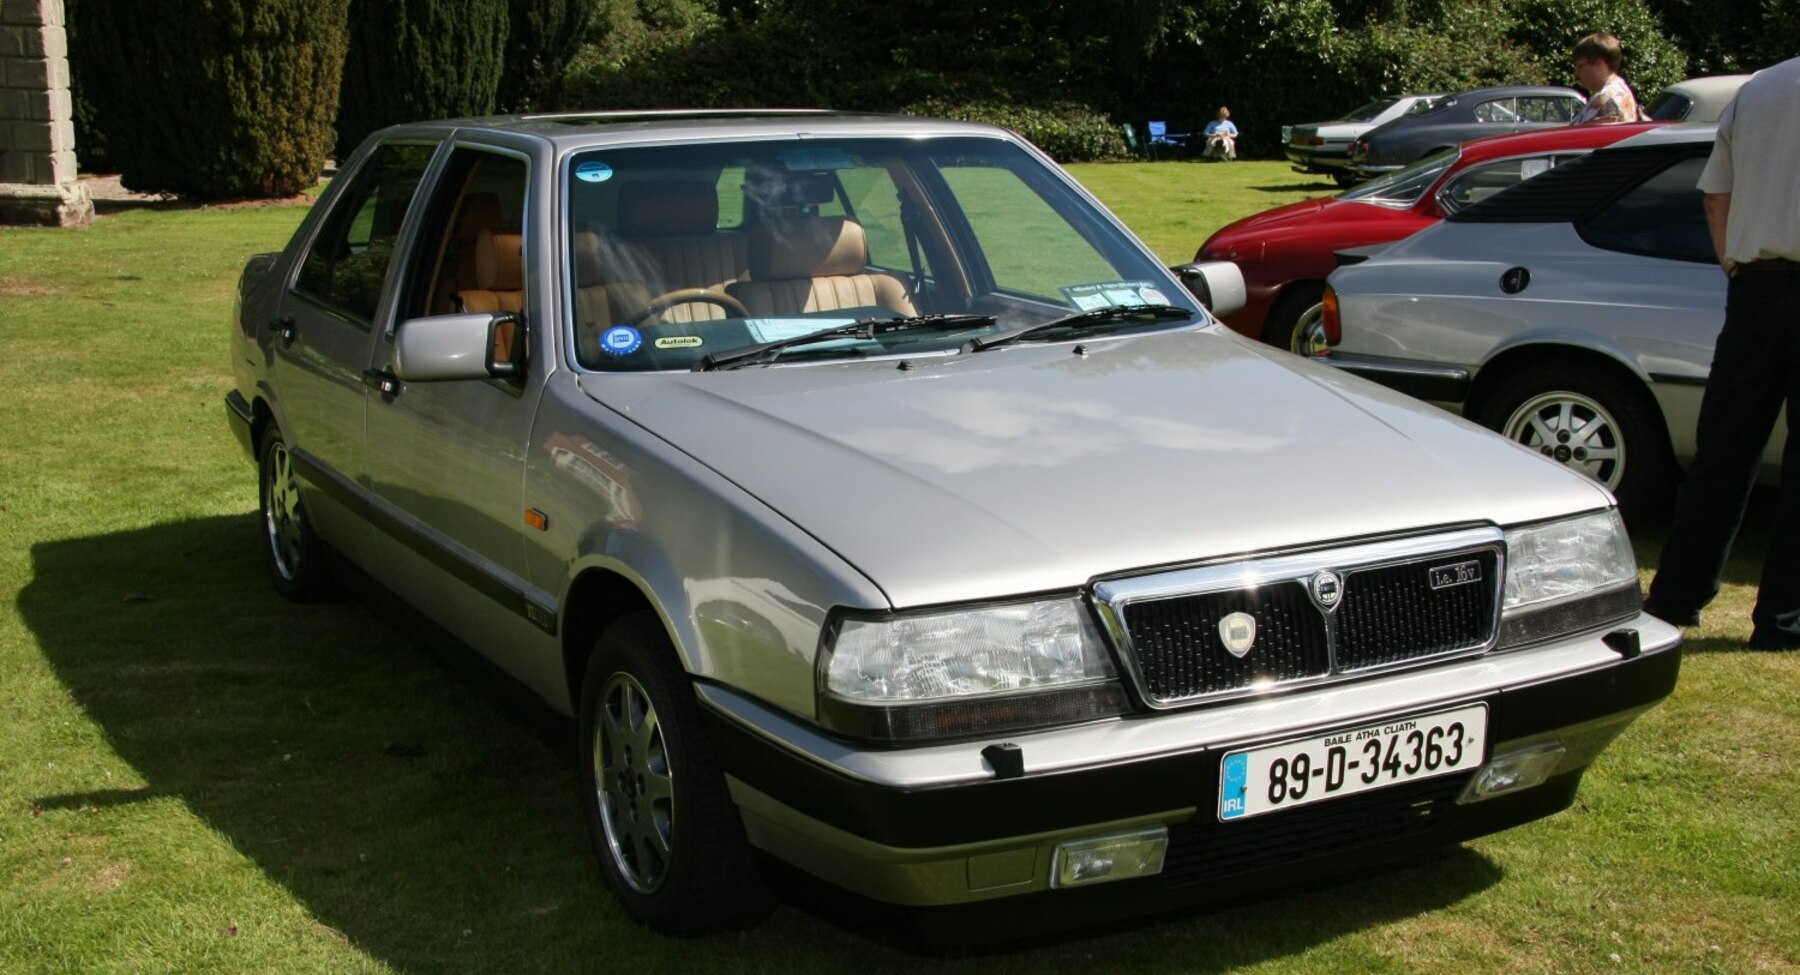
<point x="1403" y="188"/>
<point x="684" y="255"/>
<point x="1368" y="113"/>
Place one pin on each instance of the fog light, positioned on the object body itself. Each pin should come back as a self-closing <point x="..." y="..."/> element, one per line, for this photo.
<point x="1514" y="771"/>
<point x="1121" y="856"/>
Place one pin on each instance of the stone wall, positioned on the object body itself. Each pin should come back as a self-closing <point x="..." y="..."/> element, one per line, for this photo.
<point x="37" y="129"/>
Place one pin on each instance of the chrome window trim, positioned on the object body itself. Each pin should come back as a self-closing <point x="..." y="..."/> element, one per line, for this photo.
<point x="1111" y="598"/>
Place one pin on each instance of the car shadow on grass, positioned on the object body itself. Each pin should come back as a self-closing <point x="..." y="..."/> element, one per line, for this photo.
<point x="423" y="806"/>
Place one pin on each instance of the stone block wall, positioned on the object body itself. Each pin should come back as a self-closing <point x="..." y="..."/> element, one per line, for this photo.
<point x="37" y="128"/>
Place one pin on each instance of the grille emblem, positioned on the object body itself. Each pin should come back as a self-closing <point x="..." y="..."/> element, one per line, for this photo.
<point x="1238" y="632"/>
<point x="1327" y="588"/>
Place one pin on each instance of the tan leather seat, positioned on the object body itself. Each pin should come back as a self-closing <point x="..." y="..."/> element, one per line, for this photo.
<point x="479" y="212"/>
<point x="499" y="274"/>
<point x="801" y="264"/>
<point x="668" y="240"/>
<point x="594" y="312"/>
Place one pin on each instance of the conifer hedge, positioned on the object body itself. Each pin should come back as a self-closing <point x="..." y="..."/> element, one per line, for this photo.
<point x="212" y="98"/>
<point x="420" y="59"/>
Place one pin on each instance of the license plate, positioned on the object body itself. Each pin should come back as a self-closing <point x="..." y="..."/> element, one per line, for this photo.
<point x="1264" y="780"/>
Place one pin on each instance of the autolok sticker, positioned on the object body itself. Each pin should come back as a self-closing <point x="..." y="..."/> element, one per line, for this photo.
<point x="593" y="172"/>
<point x="680" y="342"/>
<point x="621" y="340"/>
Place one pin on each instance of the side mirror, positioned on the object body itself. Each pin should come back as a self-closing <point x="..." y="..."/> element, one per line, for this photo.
<point x="1217" y="285"/>
<point x="439" y="348"/>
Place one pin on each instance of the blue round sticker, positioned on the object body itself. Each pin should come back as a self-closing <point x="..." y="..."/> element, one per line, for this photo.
<point x="593" y="172"/>
<point x="621" y="340"/>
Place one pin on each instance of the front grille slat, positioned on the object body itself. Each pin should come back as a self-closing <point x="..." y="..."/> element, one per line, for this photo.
<point x="1387" y="614"/>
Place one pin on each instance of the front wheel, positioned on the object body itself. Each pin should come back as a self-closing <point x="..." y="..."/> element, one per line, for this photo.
<point x="1295" y="320"/>
<point x="1594" y="422"/>
<point x="668" y="837"/>
<point x="297" y="558"/>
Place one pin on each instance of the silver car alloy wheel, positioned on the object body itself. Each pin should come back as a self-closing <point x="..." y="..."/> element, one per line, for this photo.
<point x="636" y="790"/>
<point x="1573" y="429"/>
<point x="281" y="511"/>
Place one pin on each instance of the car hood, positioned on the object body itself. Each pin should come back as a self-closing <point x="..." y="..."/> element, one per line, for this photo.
<point x="1036" y="469"/>
<point x="1244" y="241"/>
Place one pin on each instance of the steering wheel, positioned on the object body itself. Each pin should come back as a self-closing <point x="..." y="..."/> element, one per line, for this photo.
<point x="685" y="296"/>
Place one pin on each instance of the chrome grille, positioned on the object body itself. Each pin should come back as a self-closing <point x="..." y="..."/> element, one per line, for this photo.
<point x="1397" y="603"/>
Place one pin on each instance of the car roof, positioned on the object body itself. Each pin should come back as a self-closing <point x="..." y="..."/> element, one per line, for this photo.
<point x="1502" y="90"/>
<point x="1709" y="86"/>
<point x="573" y="130"/>
<point x="1677" y="134"/>
<point x="1551" y="140"/>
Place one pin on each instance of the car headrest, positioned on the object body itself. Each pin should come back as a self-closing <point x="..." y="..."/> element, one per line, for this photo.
<point x="588" y="265"/>
<point x="499" y="262"/>
<point x="807" y="247"/>
<point x="480" y="211"/>
<point x="665" y="207"/>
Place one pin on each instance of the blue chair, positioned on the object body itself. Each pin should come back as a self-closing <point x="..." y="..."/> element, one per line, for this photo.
<point x="1160" y="136"/>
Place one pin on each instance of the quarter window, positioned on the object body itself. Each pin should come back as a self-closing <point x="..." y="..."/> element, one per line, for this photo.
<point x="1660" y="217"/>
<point x="349" y="259"/>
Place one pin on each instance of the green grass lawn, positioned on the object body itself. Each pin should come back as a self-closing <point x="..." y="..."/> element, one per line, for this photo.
<point x="196" y="776"/>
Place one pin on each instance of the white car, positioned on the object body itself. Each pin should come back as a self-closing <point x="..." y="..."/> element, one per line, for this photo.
<point x="1575" y="313"/>
<point x="1696" y="99"/>
<point x="1324" y="147"/>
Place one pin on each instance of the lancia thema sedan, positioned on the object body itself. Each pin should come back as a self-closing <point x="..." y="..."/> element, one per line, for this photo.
<point x="875" y="502"/>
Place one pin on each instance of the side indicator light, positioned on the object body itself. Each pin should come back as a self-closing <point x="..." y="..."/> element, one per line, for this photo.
<point x="537" y="519"/>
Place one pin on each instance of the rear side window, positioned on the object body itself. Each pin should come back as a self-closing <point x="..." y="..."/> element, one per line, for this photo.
<point x="349" y="259"/>
<point x="1660" y="217"/>
<point x="1670" y="107"/>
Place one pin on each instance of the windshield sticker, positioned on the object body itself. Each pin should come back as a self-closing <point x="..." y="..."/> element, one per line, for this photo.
<point x="621" y="340"/>
<point x="811" y="158"/>
<point x="593" y="172"/>
<point x="680" y="342"/>
<point x="1112" y="294"/>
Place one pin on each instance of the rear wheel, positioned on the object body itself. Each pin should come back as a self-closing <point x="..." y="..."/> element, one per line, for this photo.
<point x="1345" y="179"/>
<point x="1595" y="422"/>
<point x="1297" y="309"/>
<point x="297" y="558"/>
<point x="669" y="838"/>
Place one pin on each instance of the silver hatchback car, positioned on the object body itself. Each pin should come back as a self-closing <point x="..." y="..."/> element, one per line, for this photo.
<point x="874" y="500"/>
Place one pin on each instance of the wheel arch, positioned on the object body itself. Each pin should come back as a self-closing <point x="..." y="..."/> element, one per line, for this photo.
<point x="1519" y="358"/>
<point x="596" y="599"/>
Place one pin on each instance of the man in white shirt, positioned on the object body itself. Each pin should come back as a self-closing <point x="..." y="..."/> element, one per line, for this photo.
<point x="1752" y="199"/>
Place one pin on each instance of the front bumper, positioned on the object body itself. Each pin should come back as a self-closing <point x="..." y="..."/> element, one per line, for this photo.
<point x="935" y="826"/>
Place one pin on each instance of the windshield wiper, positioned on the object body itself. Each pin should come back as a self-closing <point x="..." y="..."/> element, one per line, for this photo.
<point x="862" y="328"/>
<point x="1082" y="320"/>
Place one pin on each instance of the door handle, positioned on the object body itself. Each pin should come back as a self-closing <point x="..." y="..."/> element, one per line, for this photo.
<point x="285" y="328"/>
<point x="382" y="381"/>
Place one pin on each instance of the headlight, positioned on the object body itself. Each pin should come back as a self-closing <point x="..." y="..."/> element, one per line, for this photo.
<point x="966" y="672"/>
<point x="1567" y="576"/>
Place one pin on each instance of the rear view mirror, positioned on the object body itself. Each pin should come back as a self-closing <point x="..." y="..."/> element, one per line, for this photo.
<point x="439" y="348"/>
<point x="1217" y="285"/>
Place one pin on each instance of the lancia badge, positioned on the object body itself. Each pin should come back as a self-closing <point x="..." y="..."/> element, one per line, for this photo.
<point x="1238" y="632"/>
<point x="1326" y="588"/>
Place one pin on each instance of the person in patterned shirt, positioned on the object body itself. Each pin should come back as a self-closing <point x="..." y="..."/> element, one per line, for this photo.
<point x="1610" y="100"/>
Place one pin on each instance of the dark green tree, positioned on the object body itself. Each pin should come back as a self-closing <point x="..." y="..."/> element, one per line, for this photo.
<point x="411" y="60"/>
<point x="543" y="39"/>
<point x="211" y="98"/>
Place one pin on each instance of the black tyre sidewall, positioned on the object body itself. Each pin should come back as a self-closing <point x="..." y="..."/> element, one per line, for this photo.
<point x="712" y="883"/>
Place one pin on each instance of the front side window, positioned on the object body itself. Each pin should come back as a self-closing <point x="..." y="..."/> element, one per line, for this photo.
<point x="1670" y="106"/>
<point x="1660" y="217"/>
<point x="348" y="260"/>
<point x="1548" y="109"/>
<point x="682" y="254"/>
<point x="1500" y="111"/>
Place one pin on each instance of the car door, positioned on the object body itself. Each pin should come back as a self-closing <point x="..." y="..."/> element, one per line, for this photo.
<point x="324" y="330"/>
<point x="446" y="460"/>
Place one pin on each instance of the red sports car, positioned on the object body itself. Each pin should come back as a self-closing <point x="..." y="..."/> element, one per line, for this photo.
<point x="1286" y="253"/>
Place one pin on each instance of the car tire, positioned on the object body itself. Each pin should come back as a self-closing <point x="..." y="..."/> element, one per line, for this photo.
<point x="1598" y="423"/>
<point x="298" y="559"/>
<point x="1297" y="306"/>
<point x="678" y="860"/>
<point x="1345" y="180"/>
